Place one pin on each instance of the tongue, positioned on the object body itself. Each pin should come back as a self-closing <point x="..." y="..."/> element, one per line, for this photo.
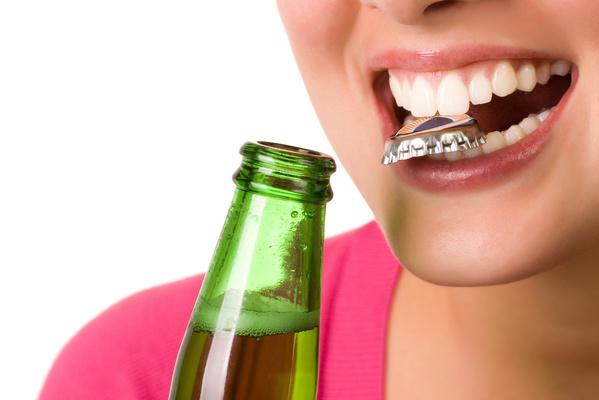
<point x="503" y="112"/>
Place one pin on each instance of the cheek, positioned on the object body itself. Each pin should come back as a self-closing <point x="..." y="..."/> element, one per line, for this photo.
<point x="321" y="33"/>
<point x="317" y="25"/>
<point x="577" y="19"/>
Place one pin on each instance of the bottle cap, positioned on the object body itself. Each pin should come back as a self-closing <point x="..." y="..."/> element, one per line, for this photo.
<point x="433" y="135"/>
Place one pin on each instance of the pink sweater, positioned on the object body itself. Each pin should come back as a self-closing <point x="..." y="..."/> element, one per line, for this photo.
<point x="128" y="351"/>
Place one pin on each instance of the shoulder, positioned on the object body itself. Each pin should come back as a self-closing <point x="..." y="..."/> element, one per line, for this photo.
<point x="129" y="350"/>
<point x="350" y="246"/>
<point x="338" y="245"/>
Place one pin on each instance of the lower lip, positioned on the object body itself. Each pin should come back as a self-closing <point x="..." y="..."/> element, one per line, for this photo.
<point x="472" y="173"/>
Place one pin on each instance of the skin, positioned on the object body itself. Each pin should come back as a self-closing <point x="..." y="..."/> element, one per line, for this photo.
<point x="506" y="304"/>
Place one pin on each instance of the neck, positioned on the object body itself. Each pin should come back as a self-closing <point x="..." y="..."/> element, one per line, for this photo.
<point x="541" y="332"/>
<point x="550" y="318"/>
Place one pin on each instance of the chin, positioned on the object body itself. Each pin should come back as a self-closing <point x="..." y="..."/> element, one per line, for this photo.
<point x="464" y="270"/>
<point x="480" y="257"/>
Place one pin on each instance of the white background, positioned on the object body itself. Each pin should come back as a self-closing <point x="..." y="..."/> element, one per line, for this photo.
<point x="120" y="123"/>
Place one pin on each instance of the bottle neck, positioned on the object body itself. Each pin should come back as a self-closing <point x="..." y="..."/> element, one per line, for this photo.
<point x="265" y="273"/>
<point x="269" y="257"/>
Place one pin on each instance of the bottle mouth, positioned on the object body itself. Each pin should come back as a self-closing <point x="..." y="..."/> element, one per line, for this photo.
<point x="299" y="151"/>
<point x="292" y="158"/>
<point x="285" y="171"/>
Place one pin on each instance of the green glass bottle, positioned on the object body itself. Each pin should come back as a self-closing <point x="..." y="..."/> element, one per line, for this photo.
<point x="253" y="334"/>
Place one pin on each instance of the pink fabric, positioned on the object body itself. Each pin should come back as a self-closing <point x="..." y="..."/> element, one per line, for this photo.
<point x="128" y="351"/>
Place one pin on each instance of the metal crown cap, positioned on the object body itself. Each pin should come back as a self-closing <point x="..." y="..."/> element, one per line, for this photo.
<point x="433" y="135"/>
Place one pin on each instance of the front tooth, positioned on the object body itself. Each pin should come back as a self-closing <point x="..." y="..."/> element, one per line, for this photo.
<point x="527" y="77"/>
<point x="513" y="134"/>
<point x="529" y="124"/>
<point x="422" y="98"/>
<point x="452" y="96"/>
<point x="504" y="79"/>
<point x="406" y="94"/>
<point x="561" y="68"/>
<point x="494" y="142"/>
<point x="480" y="89"/>
<point x="396" y="90"/>
<point x="543" y="73"/>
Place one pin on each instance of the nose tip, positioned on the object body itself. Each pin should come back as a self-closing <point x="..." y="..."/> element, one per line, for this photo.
<point x="407" y="12"/>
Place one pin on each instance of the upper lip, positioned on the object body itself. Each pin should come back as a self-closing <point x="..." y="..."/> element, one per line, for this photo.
<point x="430" y="59"/>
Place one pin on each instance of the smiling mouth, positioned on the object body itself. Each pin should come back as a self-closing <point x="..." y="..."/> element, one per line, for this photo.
<point x="508" y="98"/>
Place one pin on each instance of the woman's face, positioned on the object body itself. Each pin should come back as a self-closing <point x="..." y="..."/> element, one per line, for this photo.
<point x="514" y="211"/>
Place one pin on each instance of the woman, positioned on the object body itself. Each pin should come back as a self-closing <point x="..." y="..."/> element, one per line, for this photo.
<point x="497" y="293"/>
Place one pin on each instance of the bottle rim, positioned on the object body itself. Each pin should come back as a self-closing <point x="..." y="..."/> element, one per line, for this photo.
<point x="285" y="170"/>
<point x="299" y="151"/>
<point x="288" y="159"/>
<point x="292" y="159"/>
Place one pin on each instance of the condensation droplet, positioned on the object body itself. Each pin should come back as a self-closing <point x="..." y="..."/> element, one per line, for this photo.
<point x="294" y="214"/>
<point x="309" y="214"/>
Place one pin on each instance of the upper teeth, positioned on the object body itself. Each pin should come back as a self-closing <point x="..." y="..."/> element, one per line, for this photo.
<point x="451" y="92"/>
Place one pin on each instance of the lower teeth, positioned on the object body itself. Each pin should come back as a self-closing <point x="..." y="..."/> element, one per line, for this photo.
<point x="498" y="140"/>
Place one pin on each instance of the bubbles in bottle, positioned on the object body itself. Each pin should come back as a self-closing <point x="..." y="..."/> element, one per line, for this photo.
<point x="257" y="315"/>
<point x="294" y="214"/>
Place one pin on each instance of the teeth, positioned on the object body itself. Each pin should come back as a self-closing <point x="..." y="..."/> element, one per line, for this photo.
<point x="423" y="98"/>
<point x="504" y="80"/>
<point x="498" y="140"/>
<point x="473" y="152"/>
<point x="561" y="68"/>
<point x="495" y="141"/>
<point x="452" y="96"/>
<point x="513" y="134"/>
<point x="451" y="92"/>
<point x="543" y="73"/>
<point x="543" y="116"/>
<point x="395" y="86"/>
<point x="406" y="94"/>
<point x="527" y="77"/>
<point x="454" y="156"/>
<point x="529" y="124"/>
<point x="439" y="156"/>
<point x="480" y="89"/>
